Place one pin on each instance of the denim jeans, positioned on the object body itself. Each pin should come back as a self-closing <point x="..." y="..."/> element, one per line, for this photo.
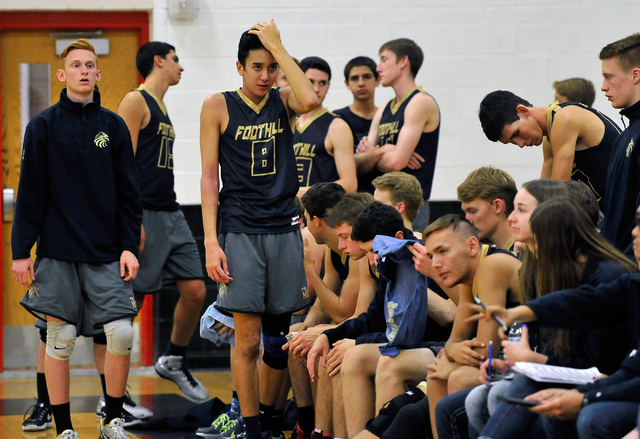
<point x="451" y="416"/>
<point x="481" y="403"/>
<point x="600" y="420"/>
<point x="510" y="420"/>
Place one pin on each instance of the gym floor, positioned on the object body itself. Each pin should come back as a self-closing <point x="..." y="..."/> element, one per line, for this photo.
<point x="18" y="393"/>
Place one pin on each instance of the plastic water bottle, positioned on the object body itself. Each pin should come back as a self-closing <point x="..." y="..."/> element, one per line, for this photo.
<point x="515" y="332"/>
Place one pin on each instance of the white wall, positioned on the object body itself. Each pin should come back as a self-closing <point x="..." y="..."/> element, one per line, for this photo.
<point x="471" y="47"/>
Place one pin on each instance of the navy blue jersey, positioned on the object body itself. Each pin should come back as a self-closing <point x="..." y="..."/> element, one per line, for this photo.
<point x="154" y="157"/>
<point x="258" y="168"/>
<point x="590" y="165"/>
<point x="315" y="164"/>
<point x="359" y="128"/>
<point x="391" y="123"/>
<point x="341" y="264"/>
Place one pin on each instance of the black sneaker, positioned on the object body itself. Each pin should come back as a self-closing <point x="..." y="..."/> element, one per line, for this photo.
<point x="40" y="418"/>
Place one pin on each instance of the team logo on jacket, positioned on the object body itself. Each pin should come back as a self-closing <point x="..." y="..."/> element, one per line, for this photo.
<point x="630" y="147"/>
<point x="101" y="140"/>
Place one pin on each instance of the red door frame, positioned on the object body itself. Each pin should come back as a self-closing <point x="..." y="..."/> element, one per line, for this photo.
<point x="61" y="21"/>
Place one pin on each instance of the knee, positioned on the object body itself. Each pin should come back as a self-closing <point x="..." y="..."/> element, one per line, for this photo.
<point x="61" y="339"/>
<point x="350" y="363"/>
<point x="457" y="381"/>
<point x="194" y="291"/>
<point x="589" y="421"/>
<point x="119" y="337"/>
<point x="274" y="329"/>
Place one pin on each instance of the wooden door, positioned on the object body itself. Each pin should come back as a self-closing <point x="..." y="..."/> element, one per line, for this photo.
<point x="17" y="47"/>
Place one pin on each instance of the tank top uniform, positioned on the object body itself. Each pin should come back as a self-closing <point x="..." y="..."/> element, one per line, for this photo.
<point x="314" y="163"/>
<point x="590" y="165"/>
<point x="258" y="167"/>
<point x="359" y="128"/>
<point x="341" y="264"/>
<point x="391" y="123"/>
<point x="154" y="157"/>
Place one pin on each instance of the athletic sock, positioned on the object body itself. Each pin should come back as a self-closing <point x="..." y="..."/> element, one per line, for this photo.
<point x="235" y="406"/>
<point x="252" y="427"/>
<point x="306" y="419"/>
<point x="43" y="393"/>
<point x="62" y="416"/>
<point x="266" y="413"/>
<point x="276" y="422"/>
<point x="113" y="409"/>
<point x="103" y="381"/>
<point x="175" y="350"/>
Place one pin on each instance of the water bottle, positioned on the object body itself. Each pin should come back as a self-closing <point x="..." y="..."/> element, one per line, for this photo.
<point x="515" y="332"/>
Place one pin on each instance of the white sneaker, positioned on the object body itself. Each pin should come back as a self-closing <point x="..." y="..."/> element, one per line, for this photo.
<point x="113" y="430"/>
<point x="172" y="367"/>
<point x="67" y="434"/>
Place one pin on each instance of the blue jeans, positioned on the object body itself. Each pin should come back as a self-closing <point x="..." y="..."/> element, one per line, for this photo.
<point x="481" y="403"/>
<point x="510" y="420"/>
<point x="600" y="420"/>
<point x="451" y="416"/>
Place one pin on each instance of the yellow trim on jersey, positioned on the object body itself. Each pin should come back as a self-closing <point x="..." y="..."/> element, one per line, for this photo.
<point x="257" y="108"/>
<point x="301" y="129"/>
<point x="509" y="244"/>
<point x="395" y="105"/>
<point x="552" y="109"/>
<point x="158" y="101"/>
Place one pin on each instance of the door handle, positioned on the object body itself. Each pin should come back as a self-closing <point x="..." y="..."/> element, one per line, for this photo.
<point x="8" y="204"/>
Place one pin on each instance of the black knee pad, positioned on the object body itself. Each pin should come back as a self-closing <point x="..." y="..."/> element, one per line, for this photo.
<point x="43" y="335"/>
<point x="100" y="338"/>
<point x="387" y="414"/>
<point x="274" y="329"/>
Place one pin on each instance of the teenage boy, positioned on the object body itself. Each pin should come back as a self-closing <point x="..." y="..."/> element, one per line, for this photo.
<point x="621" y="85"/>
<point x="453" y="246"/>
<point x="247" y="132"/>
<point x="361" y="78"/>
<point x="79" y="199"/>
<point x="401" y="191"/>
<point x="404" y="133"/>
<point x="487" y="200"/>
<point x="170" y="252"/>
<point x="322" y="141"/>
<point x="576" y="140"/>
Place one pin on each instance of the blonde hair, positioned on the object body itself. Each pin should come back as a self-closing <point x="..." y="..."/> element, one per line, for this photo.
<point x="403" y="188"/>
<point x="81" y="44"/>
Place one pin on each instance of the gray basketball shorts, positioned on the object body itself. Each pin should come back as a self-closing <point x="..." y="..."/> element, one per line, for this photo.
<point x="267" y="271"/>
<point x="84" y="294"/>
<point x="170" y="253"/>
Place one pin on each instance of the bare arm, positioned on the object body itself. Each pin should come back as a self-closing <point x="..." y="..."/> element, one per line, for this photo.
<point x="443" y="311"/>
<point x="563" y="138"/>
<point x="368" y="288"/>
<point x="299" y="97"/>
<point x="340" y="142"/>
<point x="339" y="307"/>
<point x="493" y="281"/>
<point x="461" y="329"/>
<point x="213" y="120"/>
<point x="135" y="112"/>
<point x="421" y="112"/>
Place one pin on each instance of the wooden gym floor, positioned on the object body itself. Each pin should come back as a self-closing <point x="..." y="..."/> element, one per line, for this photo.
<point x="18" y="393"/>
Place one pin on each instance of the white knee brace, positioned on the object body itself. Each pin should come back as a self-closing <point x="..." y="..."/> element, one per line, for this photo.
<point x="119" y="337"/>
<point x="61" y="338"/>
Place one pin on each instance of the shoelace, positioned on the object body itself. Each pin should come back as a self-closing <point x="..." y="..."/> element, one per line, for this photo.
<point x="230" y="424"/>
<point x="190" y="377"/>
<point x="36" y="408"/>
<point x="220" y="421"/>
<point x="117" y="426"/>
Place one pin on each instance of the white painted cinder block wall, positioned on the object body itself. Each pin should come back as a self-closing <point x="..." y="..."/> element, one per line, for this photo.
<point x="471" y="48"/>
